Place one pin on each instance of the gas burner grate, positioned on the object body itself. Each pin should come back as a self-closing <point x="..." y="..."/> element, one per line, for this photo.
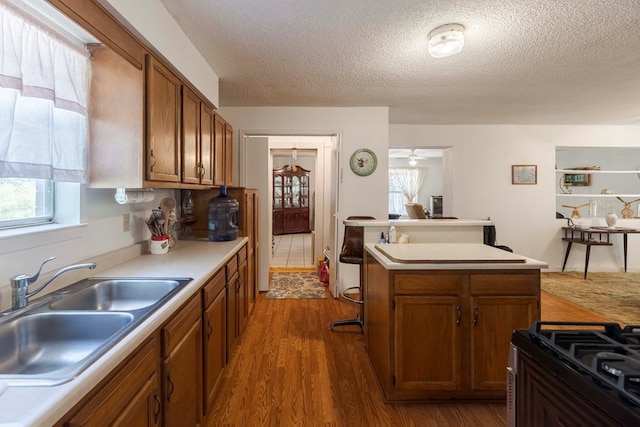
<point x="608" y="353"/>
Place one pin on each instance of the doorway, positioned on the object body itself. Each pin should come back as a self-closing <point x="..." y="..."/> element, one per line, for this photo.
<point x="293" y="205"/>
<point x="257" y="163"/>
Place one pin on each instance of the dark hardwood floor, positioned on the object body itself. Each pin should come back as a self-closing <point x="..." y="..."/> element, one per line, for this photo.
<point x="289" y="369"/>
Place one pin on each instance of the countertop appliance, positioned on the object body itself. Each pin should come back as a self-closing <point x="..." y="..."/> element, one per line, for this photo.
<point x="563" y="373"/>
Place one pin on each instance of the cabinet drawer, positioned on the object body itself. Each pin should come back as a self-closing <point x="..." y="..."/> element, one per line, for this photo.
<point x="213" y="288"/>
<point x="231" y="266"/>
<point x="179" y="326"/>
<point x="505" y="284"/>
<point x="122" y="388"/>
<point x="436" y="283"/>
<point x="242" y="254"/>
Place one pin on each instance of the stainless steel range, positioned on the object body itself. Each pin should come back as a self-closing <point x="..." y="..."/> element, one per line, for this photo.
<point x="582" y="374"/>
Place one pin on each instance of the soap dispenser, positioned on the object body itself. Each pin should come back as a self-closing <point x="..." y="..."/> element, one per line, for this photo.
<point x="392" y="233"/>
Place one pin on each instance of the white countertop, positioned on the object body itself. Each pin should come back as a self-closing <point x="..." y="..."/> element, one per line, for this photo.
<point x="449" y="256"/>
<point x="419" y="222"/>
<point x="43" y="406"/>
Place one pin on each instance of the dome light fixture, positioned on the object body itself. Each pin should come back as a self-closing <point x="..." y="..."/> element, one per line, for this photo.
<point x="446" y="40"/>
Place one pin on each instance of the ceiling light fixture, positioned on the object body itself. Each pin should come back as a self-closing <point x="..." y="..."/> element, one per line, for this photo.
<point x="413" y="159"/>
<point x="446" y="40"/>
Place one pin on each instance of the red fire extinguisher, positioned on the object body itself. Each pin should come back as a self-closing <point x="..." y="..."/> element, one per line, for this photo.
<point x="323" y="275"/>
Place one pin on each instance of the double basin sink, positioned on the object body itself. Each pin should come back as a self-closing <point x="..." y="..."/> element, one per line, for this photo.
<point x="57" y="336"/>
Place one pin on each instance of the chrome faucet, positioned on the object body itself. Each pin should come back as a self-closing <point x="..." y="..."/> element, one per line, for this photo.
<point x="20" y="283"/>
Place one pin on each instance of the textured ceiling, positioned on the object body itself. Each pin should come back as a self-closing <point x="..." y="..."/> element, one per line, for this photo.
<point x="524" y="61"/>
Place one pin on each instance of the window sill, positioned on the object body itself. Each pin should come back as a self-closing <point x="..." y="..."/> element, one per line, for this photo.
<point x="18" y="239"/>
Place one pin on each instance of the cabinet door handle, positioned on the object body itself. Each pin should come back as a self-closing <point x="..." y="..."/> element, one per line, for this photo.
<point x="458" y="315"/>
<point x="203" y="170"/>
<point x="475" y="315"/>
<point x="171" y="386"/>
<point x="210" y="329"/>
<point x="156" y="413"/>
<point x="152" y="157"/>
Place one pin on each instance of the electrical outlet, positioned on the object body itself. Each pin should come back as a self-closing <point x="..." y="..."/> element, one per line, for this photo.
<point x="126" y="222"/>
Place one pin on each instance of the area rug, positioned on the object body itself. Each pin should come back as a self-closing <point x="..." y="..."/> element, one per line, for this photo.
<point x="614" y="295"/>
<point x="296" y="285"/>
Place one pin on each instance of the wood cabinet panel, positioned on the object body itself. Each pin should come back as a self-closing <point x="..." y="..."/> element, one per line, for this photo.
<point x="243" y="294"/>
<point x="206" y="145"/>
<point x="163" y="122"/>
<point x="130" y="397"/>
<point x="428" y="343"/>
<point x="218" y="150"/>
<point x="232" y="313"/>
<point x="182" y="367"/>
<point x="505" y="284"/>
<point x="434" y="283"/>
<point x="228" y="154"/>
<point x="215" y="345"/>
<point x="494" y="319"/>
<point x="190" y="137"/>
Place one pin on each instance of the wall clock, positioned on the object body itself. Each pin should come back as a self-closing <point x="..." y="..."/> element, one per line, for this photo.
<point x="363" y="162"/>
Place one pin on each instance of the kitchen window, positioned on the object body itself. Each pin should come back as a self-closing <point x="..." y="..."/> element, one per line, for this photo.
<point x="44" y="81"/>
<point x="26" y="202"/>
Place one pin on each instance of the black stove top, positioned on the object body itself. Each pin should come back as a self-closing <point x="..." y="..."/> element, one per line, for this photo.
<point x="608" y="353"/>
<point x="601" y="361"/>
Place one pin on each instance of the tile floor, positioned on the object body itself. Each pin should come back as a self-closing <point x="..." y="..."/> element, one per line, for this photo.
<point x="292" y="250"/>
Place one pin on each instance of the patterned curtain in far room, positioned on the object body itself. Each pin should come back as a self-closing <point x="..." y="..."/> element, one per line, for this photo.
<point x="404" y="186"/>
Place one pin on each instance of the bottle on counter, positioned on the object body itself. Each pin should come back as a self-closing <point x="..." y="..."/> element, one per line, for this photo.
<point x="223" y="217"/>
<point x="382" y="238"/>
<point x="392" y="233"/>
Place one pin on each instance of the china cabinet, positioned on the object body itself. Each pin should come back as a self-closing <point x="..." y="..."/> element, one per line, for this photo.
<point x="290" y="200"/>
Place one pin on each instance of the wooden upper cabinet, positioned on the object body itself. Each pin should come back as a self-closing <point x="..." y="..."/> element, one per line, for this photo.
<point x="218" y="150"/>
<point x="190" y="137"/>
<point x="206" y="145"/>
<point x="163" y="123"/>
<point x="228" y="154"/>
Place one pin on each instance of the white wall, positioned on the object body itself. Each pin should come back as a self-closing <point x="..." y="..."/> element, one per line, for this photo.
<point x="524" y="214"/>
<point x="150" y="21"/>
<point x="358" y="127"/>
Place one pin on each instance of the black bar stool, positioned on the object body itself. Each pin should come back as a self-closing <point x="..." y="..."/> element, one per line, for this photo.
<point x="353" y="253"/>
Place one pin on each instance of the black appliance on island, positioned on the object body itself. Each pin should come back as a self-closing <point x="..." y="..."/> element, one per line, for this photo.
<point x="574" y="374"/>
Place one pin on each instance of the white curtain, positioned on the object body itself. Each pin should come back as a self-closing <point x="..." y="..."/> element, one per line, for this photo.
<point x="43" y="103"/>
<point x="408" y="180"/>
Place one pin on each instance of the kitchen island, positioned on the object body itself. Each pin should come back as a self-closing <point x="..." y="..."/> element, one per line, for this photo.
<point x="438" y="317"/>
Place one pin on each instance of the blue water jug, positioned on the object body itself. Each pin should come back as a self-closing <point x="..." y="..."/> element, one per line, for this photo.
<point x="223" y="217"/>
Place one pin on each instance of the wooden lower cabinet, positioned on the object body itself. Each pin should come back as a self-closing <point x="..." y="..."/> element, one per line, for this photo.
<point x="182" y="366"/>
<point x="130" y="398"/>
<point x="214" y="323"/>
<point x="171" y="379"/>
<point x="444" y="334"/>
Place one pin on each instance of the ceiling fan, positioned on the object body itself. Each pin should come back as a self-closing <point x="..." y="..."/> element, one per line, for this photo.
<point x="413" y="158"/>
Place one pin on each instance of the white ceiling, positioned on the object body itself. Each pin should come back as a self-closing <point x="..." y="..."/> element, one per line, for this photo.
<point x="524" y="62"/>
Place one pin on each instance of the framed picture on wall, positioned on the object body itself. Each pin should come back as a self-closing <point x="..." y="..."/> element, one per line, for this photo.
<point x="524" y="174"/>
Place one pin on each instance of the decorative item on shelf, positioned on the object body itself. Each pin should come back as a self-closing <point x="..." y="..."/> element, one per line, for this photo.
<point x="524" y="174"/>
<point x="188" y="218"/>
<point x="611" y="219"/>
<point x="627" y="212"/>
<point x="606" y="191"/>
<point x="576" y="210"/>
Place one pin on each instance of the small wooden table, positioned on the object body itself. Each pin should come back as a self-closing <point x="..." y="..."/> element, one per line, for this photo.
<point x="593" y="236"/>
